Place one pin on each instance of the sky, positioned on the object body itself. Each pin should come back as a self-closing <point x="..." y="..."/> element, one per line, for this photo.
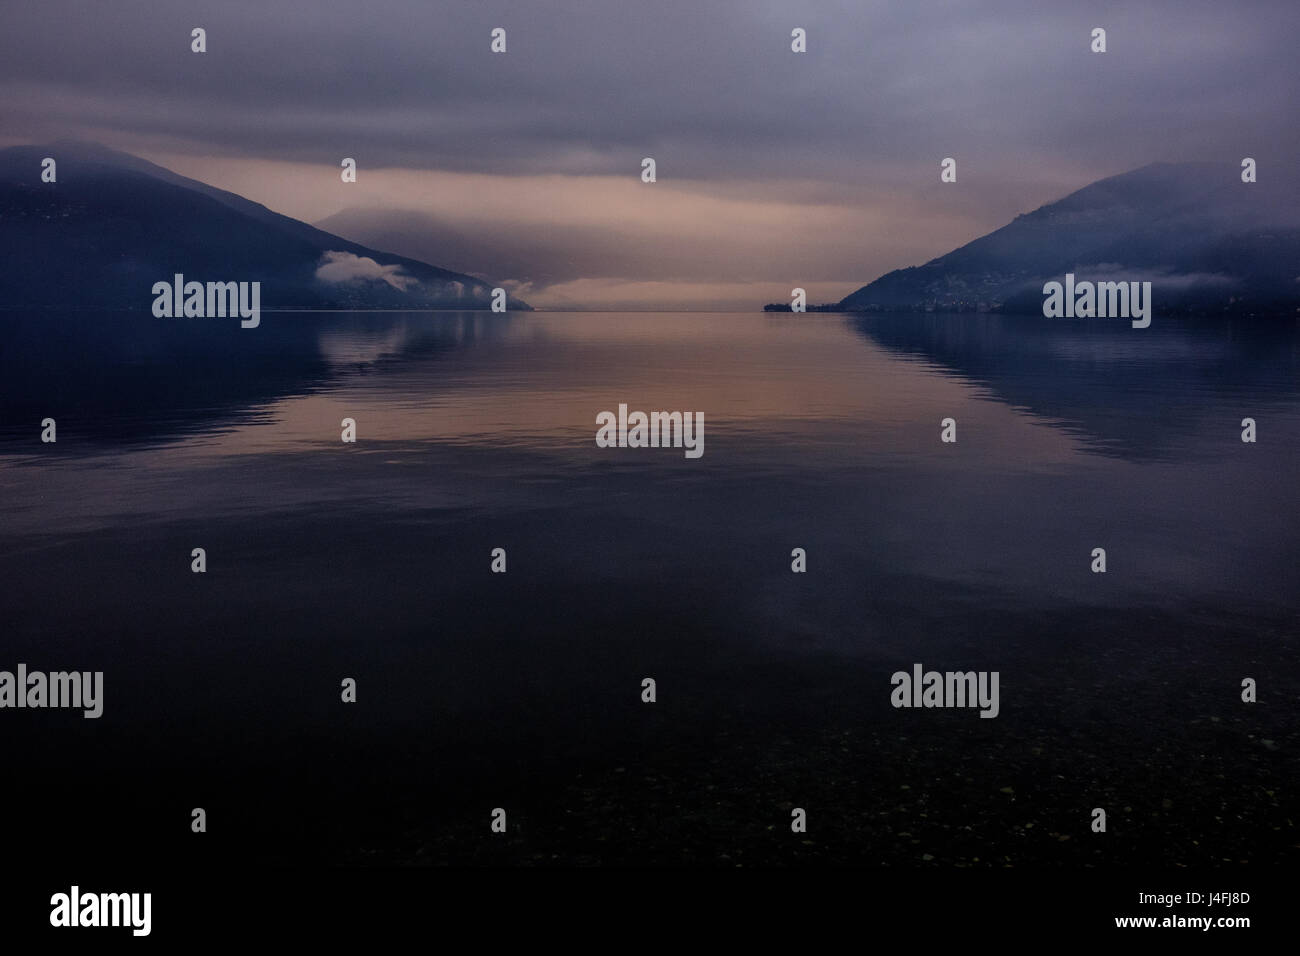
<point x="775" y="169"/>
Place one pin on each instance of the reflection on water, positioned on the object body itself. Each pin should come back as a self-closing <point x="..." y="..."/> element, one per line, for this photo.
<point x="477" y="431"/>
<point x="1070" y="435"/>
<point x="1138" y="397"/>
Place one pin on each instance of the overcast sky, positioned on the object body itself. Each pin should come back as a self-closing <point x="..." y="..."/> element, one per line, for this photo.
<point x="775" y="169"/>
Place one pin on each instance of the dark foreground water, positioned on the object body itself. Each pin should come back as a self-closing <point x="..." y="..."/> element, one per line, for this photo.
<point x="522" y="690"/>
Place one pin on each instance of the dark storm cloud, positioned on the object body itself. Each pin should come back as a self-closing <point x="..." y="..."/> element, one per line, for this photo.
<point x="708" y="88"/>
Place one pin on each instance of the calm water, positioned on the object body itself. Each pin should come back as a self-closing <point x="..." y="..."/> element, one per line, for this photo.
<point x="476" y="431"/>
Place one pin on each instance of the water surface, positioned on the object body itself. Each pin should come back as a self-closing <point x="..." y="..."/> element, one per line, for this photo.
<point x="476" y="431"/>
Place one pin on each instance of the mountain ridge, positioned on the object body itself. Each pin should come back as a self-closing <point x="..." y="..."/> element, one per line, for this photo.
<point x="113" y="223"/>
<point x="1206" y="240"/>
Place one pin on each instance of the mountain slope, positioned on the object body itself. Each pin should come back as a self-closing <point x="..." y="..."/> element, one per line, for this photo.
<point x="114" y="224"/>
<point x="1206" y="241"/>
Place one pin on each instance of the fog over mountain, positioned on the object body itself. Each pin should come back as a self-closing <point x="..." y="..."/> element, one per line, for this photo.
<point x="111" y="225"/>
<point x="1205" y="240"/>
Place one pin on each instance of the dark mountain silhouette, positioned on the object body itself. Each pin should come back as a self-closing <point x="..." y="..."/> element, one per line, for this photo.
<point x="113" y="225"/>
<point x="1205" y="240"/>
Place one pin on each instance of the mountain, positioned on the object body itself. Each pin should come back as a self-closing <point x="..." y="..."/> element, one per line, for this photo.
<point x="1205" y="240"/>
<point x="114" y="224"/>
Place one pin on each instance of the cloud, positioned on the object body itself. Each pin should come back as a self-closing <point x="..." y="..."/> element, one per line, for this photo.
<point x="712" y="90"/>
<point x="679" y="295"/>
<point x="774" y="167"/>
<point x="338" y="267"/>
<point x="1165" y="280"/>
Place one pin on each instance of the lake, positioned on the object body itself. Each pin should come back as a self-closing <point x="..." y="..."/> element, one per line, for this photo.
<point x="522" y="690"/>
